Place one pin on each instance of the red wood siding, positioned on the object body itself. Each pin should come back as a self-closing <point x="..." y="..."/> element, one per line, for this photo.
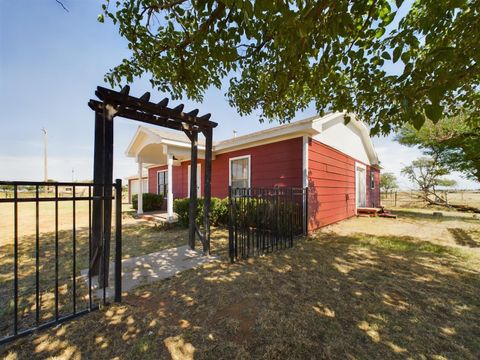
<point x="276" y="164"/>
<point x="331" y="182"/>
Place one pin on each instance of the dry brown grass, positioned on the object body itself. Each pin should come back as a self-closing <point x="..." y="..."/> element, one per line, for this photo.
<point x="27" y="212"/>
<point x="338" y="295"/>
<point x="137" y="240"/>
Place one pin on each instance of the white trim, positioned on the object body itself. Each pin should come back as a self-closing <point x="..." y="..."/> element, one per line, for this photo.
<point x="361" y="166"/>
<point x="305" y="161"/>
<point x="249" y="157"/>
<point x="199" y="179"/>
<point x="170" y="187"/>
<point x="140" y="189"/>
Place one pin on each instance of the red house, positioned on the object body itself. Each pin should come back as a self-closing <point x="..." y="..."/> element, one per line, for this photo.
<point x="337" y="162"/>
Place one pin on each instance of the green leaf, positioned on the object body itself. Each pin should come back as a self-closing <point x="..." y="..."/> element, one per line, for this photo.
<point x="418" y="120"/>
<point x="379" y="32"/>
<point x="434" y="112"/>
<point x="101" y="18"/>
<point x="386" y="55"/>
<point x="397" y="53"/>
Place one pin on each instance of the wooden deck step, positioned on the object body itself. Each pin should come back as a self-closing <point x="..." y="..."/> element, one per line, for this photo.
<point x="368" y="210"/>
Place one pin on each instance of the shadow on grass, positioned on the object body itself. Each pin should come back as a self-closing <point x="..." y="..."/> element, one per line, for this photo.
<point x="464" y="238"/>
<point x="418" y="215"/>
<point x="136" y="240"/>
<point x="331" y="296"/>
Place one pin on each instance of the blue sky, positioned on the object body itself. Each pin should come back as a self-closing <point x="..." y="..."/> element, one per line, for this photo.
<point x="50" y="63"/>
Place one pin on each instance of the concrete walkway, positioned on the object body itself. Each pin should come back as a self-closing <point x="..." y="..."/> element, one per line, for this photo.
<point x="151" y="267"/>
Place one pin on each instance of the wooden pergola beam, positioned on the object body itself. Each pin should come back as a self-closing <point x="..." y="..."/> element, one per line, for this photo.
<point x="139" y="116"/>
<point x="123" y="99"/>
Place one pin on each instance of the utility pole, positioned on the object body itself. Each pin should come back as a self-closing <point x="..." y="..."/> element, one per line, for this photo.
<point x="45" y="164"/>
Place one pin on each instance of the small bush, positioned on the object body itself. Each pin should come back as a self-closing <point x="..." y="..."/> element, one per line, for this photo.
<point x="151" y="202"/>
<point x="218" y="211"/>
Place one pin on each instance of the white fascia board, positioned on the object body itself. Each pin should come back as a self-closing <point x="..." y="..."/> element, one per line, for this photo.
<point x="180" y="144"/>
<point x="128" y="152"/>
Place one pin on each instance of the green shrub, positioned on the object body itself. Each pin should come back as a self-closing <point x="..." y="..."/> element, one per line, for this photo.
<point x="218" y="211"/>
<point x="151" y="202"/>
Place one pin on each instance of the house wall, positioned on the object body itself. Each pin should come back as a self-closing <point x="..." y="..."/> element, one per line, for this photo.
<point x="331" y="177"/>
<point x="331" y="183"/>
<point x="275" y="164"/>
<point x="345" y="138"/>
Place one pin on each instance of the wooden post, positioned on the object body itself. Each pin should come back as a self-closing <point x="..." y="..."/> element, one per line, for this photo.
<point x="98" y="180"/>
<point x="208" y="190"/>
<point x="108" y="184"/>
<point x="192" y="213"/>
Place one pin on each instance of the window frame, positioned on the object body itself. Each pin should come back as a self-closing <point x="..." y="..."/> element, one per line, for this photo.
<point x="165" y="185"/>
<point x="249" y="168"/>
<point x="372" y="180"/>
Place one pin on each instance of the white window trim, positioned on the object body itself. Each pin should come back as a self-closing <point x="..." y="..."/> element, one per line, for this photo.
<point x="199" y="175"/>
<point x="305" y="141"/>
<point x="361" y="166"/>
<point x="159" y="171"/>
<point x="249" y="157"/>
<point x="372" y="179"/>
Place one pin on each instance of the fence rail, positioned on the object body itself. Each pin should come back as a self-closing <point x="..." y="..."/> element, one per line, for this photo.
<point x="262" y="220"/>
<point x="40" y="280"/>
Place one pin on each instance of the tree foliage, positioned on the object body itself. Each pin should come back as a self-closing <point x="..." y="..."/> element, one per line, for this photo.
<point x="280" y="56"/>
<point x="427" y="174"/>
<point x="454" y="142"/>
<point x="388" y="182"/>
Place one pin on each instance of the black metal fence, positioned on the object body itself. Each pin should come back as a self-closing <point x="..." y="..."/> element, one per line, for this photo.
<point x="262" y="220"/>
<point x="45" y="243"/>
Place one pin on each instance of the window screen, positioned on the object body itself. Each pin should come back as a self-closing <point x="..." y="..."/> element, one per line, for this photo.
<point x="239" y="173"/>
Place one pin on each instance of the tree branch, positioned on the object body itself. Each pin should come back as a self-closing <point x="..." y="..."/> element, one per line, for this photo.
<point x="63" y="6"/>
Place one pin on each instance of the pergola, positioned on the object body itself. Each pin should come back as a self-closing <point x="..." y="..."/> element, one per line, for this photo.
<point x="113" y="104"/>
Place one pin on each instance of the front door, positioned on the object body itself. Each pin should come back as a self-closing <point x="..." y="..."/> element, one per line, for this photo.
<point x="199" y="180"/>
<point x="361" y="193"/>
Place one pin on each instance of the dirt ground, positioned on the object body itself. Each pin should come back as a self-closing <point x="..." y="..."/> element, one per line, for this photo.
<point x="361" y="289"/>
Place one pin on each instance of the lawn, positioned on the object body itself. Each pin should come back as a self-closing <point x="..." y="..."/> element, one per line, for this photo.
<point x="342" y="294"/>
<point x="27" y="212"/>
<point x="137" y="239"/>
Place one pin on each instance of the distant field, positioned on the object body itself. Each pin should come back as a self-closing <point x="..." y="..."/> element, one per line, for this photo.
<point x="410" y="199"/>
<point x="27" y="216"/>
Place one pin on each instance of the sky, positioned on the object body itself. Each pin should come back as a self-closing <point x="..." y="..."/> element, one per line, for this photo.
<point x="50" y="64"/>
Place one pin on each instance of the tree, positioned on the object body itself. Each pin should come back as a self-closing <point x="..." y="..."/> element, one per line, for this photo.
<point x="280" y="56"/>
<point x="454" y="142"/>
<point x="6" y="189"/>
<point x="427" y="174"/>
<point x="388" y="182"/>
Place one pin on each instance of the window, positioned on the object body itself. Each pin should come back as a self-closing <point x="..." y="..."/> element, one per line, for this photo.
<point x="240" y="172"/>
<point x="372" y="179"/>
<point x="162" y="182"/>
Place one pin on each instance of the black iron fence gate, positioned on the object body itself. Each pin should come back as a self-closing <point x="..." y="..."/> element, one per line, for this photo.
<point x="46" y="253"/>
<point x="262" y="220"/>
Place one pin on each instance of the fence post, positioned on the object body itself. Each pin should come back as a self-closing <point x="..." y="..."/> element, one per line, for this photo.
<point x="395" y="199"/>
<point x="305" y="211"/>
<point x="118" y="240"/>
<point x="230" y="225"/>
